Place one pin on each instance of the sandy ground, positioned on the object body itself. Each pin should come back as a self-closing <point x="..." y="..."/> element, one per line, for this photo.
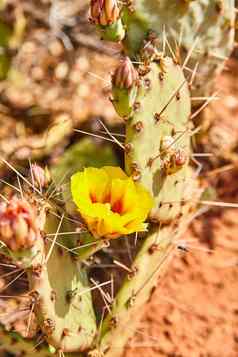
<point x="195" y="310"/>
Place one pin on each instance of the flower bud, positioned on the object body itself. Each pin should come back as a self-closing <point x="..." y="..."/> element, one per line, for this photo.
<point x="18" y="229"/>
<point x="40" y="176"/>
<point x="125" y="75"/>
<point x="104" y="12"/>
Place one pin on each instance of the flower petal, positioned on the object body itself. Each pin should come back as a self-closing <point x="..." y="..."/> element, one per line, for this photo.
<point x="110" y="202"/>
<point x="115" y="172"/>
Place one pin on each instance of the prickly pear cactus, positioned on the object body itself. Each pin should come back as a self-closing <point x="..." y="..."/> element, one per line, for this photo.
<point x="156" y="196"/>
<point x="203" y="30"/>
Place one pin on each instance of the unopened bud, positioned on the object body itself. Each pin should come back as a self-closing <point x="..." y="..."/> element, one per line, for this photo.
<point x="18" y="229"/>
<point x="40" y="177"/>
<point x="104" y="12"/>
<point x="125" y="75"/>
<point x="6" y="231"/>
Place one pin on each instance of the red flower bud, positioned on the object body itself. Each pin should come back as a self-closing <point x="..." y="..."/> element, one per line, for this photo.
<point x="104" y="12"/>
<point x="125" y="75"/>
<point x="40" y="177"/>
<point x="18" y="229"/>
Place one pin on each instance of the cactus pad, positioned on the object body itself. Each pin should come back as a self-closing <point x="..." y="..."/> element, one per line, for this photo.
<point x="63" y="308"/>
<point x="162" y="116"/>
<point x="209" y="22"/>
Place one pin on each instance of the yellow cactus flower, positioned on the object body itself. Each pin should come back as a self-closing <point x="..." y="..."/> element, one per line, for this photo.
<point x="110" y="202"/>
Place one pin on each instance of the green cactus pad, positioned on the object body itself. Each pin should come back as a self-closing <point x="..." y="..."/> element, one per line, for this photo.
<point x="209" y="22"/>
<point x="64" y="307"/>
<point x="164" y="110"/>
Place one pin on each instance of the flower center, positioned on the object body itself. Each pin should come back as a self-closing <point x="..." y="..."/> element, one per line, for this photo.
<point x="93" y="198"/>
<point x="117" y="207"/>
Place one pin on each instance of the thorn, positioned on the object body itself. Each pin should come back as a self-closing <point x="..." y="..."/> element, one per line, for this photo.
<point x="94" y="135"/>
<point x="219" y="204"/>
<point x="13" y="281"/>
<point x="93" y="288"/>
<point x="172" y="97"/>
<point x="209" y="100"/>
<point x="20" y="175"/>
<point x="194" y="73"/>
<point x="54" y="240"/>
<point x="111" y="136"/>
<point x="106" y="297"/>
<point x="190" y="53"/>
<point x="121" y="265"/>
<point x="99" y="77"/>
<point x="12" y="186"/>
<point x="30" y="320"/>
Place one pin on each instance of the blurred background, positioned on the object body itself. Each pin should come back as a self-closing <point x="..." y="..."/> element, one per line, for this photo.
<point x="55" y="78"/>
